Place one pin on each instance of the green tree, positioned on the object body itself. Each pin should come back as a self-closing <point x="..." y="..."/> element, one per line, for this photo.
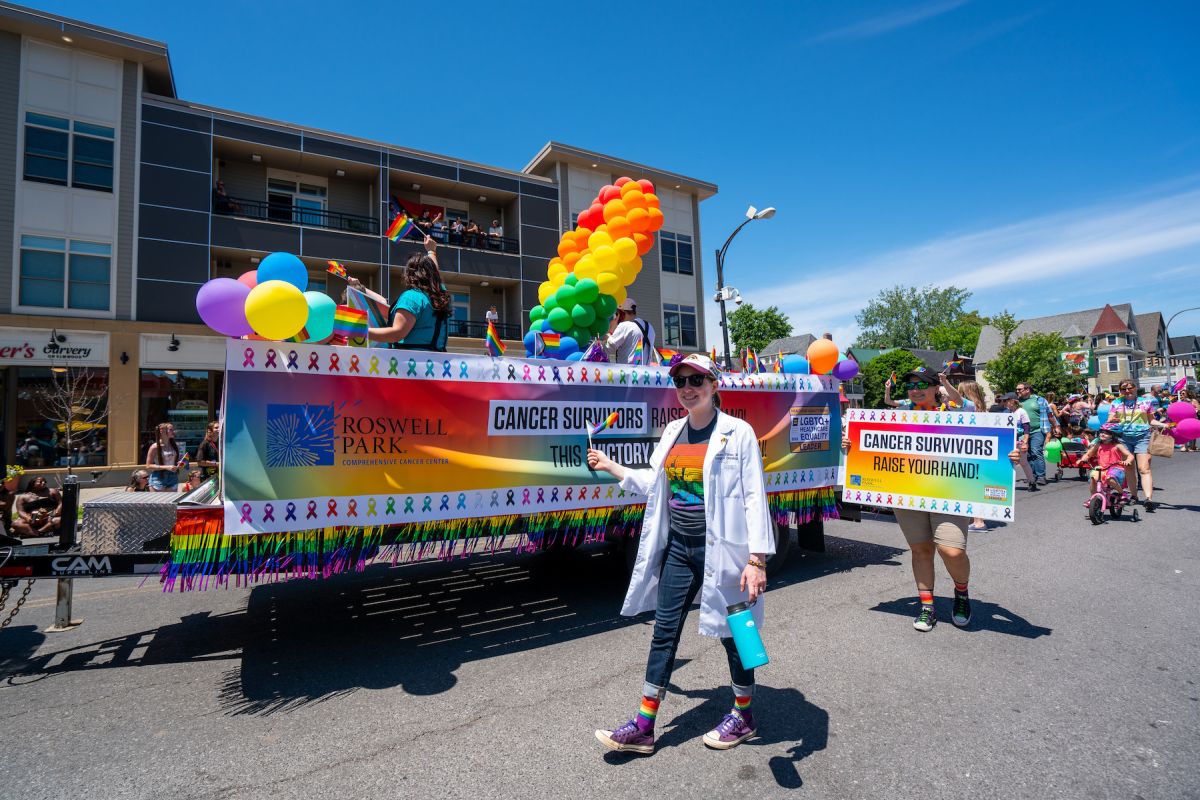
<point x="903" y="316"/>
<point x="1035" y="359"/>
<point x="960" y="335"/>
<point x="1007" y="324"/>
<point x="755" y="329"/>
<point x="877" y="371"/>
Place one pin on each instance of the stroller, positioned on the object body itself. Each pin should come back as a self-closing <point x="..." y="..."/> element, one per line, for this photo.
<point x="1074" y="452"/>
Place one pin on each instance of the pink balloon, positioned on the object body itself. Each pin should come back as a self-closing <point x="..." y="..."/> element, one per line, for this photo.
<point x="1187" y="430"/>
<point x="1179" y="411"/>
<point x="221" y="303"/>
<point x="250" y="279"/>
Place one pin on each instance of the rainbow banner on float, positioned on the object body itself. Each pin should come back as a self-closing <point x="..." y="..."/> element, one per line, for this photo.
<point x="952" y="462"/>
<point x="334" y="457"/>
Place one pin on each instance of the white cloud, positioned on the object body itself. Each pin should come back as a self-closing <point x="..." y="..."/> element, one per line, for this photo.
<point x="886" y="23"/>
<point x="1036" y="260"/>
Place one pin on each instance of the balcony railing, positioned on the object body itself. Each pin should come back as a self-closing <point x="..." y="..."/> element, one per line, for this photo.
<point x="477" y="329"/>
<point x="473" y="241"/>
<point x="295" y="215"/>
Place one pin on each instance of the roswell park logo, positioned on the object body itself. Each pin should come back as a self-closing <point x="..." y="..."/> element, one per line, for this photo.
<point x="309" y="435"/>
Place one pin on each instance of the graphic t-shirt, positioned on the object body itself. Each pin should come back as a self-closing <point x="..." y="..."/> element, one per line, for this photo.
<point x="685" y="479"/>
<point x="1131" y="417"/>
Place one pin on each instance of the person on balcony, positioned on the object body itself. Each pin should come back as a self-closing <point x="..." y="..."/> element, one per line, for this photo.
<point x="495" y="234"/>
<point x="424" y="222"/>
<point x="457" y="229"/>
<point x="222" y="202"/>
<point x="472" y="234"/>
<point x="439" y="228"/>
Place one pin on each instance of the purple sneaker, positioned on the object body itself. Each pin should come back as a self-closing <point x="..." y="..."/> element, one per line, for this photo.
<point x="628" y="739"/>
<point x="732" y="731"/>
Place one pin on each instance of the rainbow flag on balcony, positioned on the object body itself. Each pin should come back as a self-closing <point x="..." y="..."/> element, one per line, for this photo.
<point x="400" y="227"/>
<point x="495" y="347"/>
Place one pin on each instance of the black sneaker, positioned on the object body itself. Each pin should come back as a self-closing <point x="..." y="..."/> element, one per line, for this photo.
<point x="1149" y="505"/>
<point x="926" y="619"/>
<point x="961" y="615"/>
<point x="1033" y="487"/>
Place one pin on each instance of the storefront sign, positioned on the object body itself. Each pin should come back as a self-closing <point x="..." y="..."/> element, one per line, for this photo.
<point x="952" y="462"/>
<point x="36" y="348"/>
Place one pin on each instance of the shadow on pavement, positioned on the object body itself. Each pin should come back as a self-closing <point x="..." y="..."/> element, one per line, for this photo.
<point x="298" y="642"/>
<point x="782" y="715"/>
<point x="984" y="616"/>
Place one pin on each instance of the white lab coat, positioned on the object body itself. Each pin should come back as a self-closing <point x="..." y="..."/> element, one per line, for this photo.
<point x="735" y="506"/>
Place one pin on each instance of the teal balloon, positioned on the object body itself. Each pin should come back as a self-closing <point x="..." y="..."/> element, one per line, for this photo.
<point x="550" y="304"/>
<point x="583" y="315"/>
<point x="321" y="308"/>
<point x="559" y="320"/>
<point x="587" y="291"/>
<point x="536" y="313"/>
<point x="608" y="305"/>
<point x="571" y="279"/>
<point x="565" y="296"/>
<point x="283" y="267"/>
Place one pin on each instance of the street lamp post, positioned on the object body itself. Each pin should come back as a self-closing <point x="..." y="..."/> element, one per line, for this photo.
<point x="723" y="293"/>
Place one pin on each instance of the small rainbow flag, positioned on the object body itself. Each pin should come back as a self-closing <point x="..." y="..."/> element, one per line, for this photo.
<point x="639" y="353"/>
<point x="551" y="340"/>
<point x="400" y="227"/>
<point x="336" y="268"/>
<point x="951" y="365"/>
<point x="713" y="354"/>
<point x="495" y="347"/>
<point x="350" y="323"/>
<point x="666" y="354"/>
<point x="779" y="362"/>
<point x="893" y="378"/>
<point x="752" y="364"/>
<point x="604" y="424"/>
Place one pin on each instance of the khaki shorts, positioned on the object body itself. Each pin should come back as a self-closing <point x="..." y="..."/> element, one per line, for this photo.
<point x="924" y="526"/>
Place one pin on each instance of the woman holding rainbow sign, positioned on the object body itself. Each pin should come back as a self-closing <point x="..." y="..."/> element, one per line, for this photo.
<point x="707" y="530"/>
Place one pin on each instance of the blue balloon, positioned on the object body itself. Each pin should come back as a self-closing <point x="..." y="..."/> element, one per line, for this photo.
<point x="795" y="364"/>
<point x="566" y="346"/>
<point x="575" y="356"/>
<point x="1102" y="413"/>
<point x="1094" y="423"/>
<point x="283" y="267"/>
<point x="528" y="344"/>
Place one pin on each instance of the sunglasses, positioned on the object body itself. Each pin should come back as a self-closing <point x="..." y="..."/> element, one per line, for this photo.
<point x="695" y="381"/>
<point x="914" y="385"/>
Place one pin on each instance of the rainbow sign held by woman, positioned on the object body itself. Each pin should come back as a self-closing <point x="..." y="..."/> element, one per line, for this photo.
<point x="952" y="462"/>
<point x="320" y="441"/>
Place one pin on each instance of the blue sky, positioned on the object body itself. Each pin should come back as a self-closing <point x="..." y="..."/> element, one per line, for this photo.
<point x="1046" y="155"/>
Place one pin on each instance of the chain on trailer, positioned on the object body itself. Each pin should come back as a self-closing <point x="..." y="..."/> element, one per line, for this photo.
<point x="5" y="590"/>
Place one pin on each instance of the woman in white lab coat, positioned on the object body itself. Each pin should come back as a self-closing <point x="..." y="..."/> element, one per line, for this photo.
<point x="707" y="531"/>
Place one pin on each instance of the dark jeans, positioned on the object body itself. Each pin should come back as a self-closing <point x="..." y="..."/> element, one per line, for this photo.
<point x="1037" y="453"/>
<point x="679" y="582"/>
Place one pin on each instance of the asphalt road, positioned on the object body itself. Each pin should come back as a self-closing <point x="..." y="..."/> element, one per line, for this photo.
<point x="485" y="678"/>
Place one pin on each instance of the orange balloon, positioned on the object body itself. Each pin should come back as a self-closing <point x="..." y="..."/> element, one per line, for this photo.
<point x="567" y="245"/>
<point x="651" y="200"/>
<point x="613" y="208"/>
<point x="634" y="199"/>
<point x="639" y="220"/>
<point x="571" y="259"/>
<point x="644" y="243"/>
<point x="822" y="356"/>
<point x="656" y="219"/>
<point x="618" y="227"/>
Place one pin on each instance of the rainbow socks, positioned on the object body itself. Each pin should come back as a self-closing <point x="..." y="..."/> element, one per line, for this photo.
<point x="959" y="588"/>
<point x="646" y="714"/>
<point x="926" y="596"/>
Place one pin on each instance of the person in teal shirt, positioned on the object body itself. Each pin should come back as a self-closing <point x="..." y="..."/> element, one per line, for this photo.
<point x="421" y="313"/>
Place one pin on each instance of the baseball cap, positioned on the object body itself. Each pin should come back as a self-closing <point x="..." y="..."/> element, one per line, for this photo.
<point x="698" y="362"/>
<point x="921" y="374"/>
<point x="1008" y="396"/>
<point x="628" y="304"/>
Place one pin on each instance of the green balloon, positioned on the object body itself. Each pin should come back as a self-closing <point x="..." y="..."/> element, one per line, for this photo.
<point x="571" y="279"/>
<point x="581" y="335"/>
<point x="550" y="303"/>
<point x="559" y="320"/>
<point x="565" y="296"/>
<point x="536" y="313"/>
<point x="583" y="315"/>
<point x="586" y="291"/>
<point x="608" y="305"/>
<point x="600" y="326"/>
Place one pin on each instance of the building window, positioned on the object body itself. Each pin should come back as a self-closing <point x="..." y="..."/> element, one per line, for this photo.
<point x="676" y="249"/>
<point x="43" y="398"/>
<point x="1113" y="363"/>
<point x="1112" y="339"/>
<point x="61" y="273"/>
<point x="299" y="201"/>
<point x="50" y="147"/>
<point x="680" y="324"/>
<point x="188" y="399"/>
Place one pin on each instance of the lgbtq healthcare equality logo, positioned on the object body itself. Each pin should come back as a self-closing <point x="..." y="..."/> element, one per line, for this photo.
<point x="300" y="435"/>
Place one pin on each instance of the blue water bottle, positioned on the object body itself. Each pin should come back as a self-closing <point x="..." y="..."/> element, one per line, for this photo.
<point x="746" y="637"/>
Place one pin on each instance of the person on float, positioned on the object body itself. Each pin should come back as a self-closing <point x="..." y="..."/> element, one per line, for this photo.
<point x="38" y="509"/>
<point x="420" y="316"/>
<point x="929" y="531"/>
<point x="707" y="530"/>
<point x="628" y="331"/>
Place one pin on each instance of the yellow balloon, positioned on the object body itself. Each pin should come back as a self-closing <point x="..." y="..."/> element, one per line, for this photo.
<point x="627" y="274"/>
<point x="276" y="310"/>
<point x="558" y="279"/>
<point x="586" y="267"/>
<point x="626" y="249"/>
<point x="609" y="283"/>
<point x="636" y="264"/>
<point x="599" y="239"/>
<point x="545" y="290"/>
<point x="606" y="258"/>
<point x="556" y="268"/>
<point x="620" y="294"/>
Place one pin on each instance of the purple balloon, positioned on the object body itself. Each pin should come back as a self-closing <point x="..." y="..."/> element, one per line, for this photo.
<point x="1179" y="411"/>
<point x="1187" y="430"/>
<point x="222" y="305"/>
<point x="845" y="369"/>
